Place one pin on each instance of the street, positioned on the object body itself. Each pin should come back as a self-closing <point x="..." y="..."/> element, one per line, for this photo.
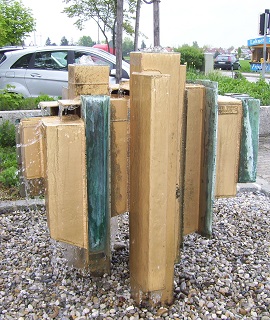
<point x="252" y="77"/>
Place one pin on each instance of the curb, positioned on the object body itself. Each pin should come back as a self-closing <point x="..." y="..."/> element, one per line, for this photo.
<point x="260" y="185"/>
<point x="27" y="205"/>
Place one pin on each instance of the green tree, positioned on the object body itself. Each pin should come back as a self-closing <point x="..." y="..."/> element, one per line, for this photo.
<point x="2" y="31"/>
<point x="127" y="46"/>
<point x="86" y="41"/>
<point x="195" y="44"/>
<point x="143" y="45"/>
<point x="64" y="41"/>
<point x="103" y="12"/>
<point x="239" y="52"/>
<point x="48" y="42"/>
<point x="16" y="22"/>
<point x="193" y="57"/>
<point x="216" y="54"/>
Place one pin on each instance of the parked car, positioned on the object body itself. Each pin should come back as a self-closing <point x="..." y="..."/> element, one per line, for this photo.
<point x="44" y="70"/>
<point x="226" y="62"/>
<point x="3" y="50"/>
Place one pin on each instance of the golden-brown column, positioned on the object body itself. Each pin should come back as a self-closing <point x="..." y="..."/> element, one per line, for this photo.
<point x="152" y="251"/>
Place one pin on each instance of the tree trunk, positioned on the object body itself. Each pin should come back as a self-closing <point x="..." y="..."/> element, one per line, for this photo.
<point x="137" y="25"/>
<point x="156" y="23"/>
<point x="119" y="35"/>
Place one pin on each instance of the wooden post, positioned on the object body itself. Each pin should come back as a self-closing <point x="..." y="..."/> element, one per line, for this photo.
<point x="96" y="114"/>
<point x="168" y="63"/>
<point x="151" y="253"/>
<point x="195" y="100"/>
<point x="87" y="79"/>
<point x="228" y="145"/>
<point x="180" y="164"/>
<point x="64" y="167"/>
<point x="199" y="185"/>
<point x="119" y="155"/>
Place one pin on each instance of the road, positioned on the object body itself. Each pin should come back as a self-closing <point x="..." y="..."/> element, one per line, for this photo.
<point x="252" y="77"/>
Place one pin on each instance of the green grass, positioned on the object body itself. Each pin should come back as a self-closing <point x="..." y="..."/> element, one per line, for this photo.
<point x="245" y="66"/>
<point x="258" y="90"/>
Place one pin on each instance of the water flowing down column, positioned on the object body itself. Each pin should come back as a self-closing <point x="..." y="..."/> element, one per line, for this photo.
<point x="249" y="140"/>
<point x="96" y="114"/>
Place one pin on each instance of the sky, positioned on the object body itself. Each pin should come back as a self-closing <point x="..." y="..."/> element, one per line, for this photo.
<point x="209" y="22"/>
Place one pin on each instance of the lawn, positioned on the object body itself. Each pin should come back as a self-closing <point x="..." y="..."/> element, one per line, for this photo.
<point x="245" y="66"/>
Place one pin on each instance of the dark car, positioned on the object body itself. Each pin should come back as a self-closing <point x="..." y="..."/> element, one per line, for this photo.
<point x="226" y="62"/>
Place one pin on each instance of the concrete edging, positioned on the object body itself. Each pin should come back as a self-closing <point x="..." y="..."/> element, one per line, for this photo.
<point x="260" y="185"/>
<point x="20" y="205"/>
<point x="15" y="116"/>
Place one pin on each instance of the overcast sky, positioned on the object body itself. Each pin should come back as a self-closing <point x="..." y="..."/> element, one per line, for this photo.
<point x="209" y="22"/>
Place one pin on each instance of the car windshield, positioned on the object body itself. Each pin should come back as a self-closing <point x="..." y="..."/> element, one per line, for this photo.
<point x="222" y="58"/>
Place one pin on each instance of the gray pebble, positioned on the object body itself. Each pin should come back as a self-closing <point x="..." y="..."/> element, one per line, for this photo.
<point x="226" y="277"/>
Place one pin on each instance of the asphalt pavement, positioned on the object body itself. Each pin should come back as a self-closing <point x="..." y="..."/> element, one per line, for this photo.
<point x="262" y="183"/>
<point x="250" y="76"/>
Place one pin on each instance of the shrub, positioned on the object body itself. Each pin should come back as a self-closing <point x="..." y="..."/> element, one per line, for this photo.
<point x="8" y="157"/>
<point x="9" y="177"/>
<point x="8" y="167"/>
<point x="14" y="101"/>
<point x="258" y="90"/>
<point x="193" y="57"/>
<point x="7" y="134"/>
<point x="8" y="99"/>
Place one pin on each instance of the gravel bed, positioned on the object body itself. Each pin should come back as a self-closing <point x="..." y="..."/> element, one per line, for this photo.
<point x="226" y="277"/>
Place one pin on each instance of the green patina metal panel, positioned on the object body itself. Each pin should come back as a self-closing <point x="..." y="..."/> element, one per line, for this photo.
<point x="208" y="174"/>
<point x="96" y="114"/>
<point x="249" y="140"/>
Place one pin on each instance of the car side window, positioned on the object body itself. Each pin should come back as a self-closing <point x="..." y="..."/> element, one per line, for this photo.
<point x="51" y="60"/>
<point x="84" y="56"/>
<point x="2" y="57"/>
<point x="22" y="62"/>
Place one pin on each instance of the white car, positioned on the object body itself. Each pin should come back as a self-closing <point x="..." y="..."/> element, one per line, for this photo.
<point x="44" y="70"/>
